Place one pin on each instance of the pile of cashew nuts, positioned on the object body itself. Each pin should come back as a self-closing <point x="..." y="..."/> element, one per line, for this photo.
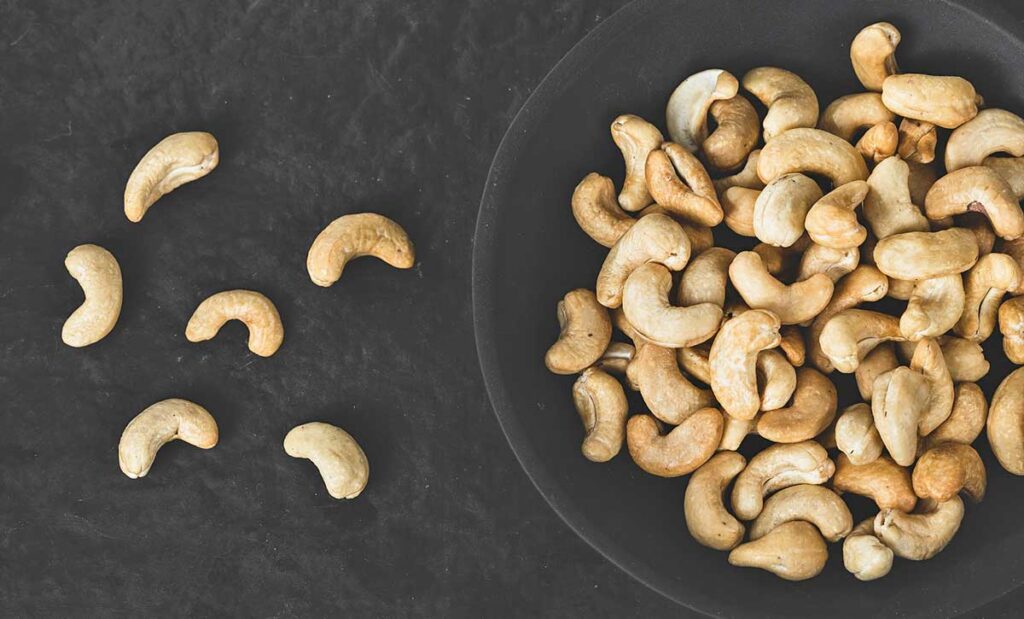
<point x="178" y="159"/>
<point x="843" y="207"/>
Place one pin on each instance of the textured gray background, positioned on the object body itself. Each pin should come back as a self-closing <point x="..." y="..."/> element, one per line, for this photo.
<point x="321" y="109"/>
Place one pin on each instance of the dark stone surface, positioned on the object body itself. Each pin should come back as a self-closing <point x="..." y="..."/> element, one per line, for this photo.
<point x="321" y="109"/>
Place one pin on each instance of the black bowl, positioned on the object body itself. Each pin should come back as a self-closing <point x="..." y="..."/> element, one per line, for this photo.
<point x="529" y="252"/>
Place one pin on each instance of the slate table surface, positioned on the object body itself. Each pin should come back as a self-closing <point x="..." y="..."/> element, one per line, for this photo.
<point x="321" y="109"/>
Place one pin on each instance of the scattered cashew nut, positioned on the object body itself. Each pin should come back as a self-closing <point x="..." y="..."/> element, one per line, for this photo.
<point x="943" y="100"/>
<point x="777" y="467"/>
<point x="255" y="310"/>
<point x="790" y="101"/>
<point x="585" y="333"/>
<point x="654" y="238"/>
<point x="679" y="183"/>
<point x="948" y="469"/>
<point x="812" y="411"/>
<point x="793" y="304"/>
<point x="601" y="404"/>
<point x="882" y="480"/>
<point x="597" y="211"/>
<point x="177" y="159"/>
<point x="733" y="360"/>
<point x="99" y="275"/>
<point x="864" y="555"/>
<point x="352" y="236"/>
<point x="873" y="54"/>
<point x="159" y="424"/>
<point x="338" y="457"/>
<point x="707" y="518"/>
<point x="687" y="112"/>
<point x="682" y="450"/>
<point x="807" y="502"/>
<point x="921" y="535"/>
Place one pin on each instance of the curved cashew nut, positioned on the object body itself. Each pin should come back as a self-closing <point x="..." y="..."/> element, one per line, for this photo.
<point x="849" y="114"/>
<point x="1015" y="250"/>
<point x="701" y="237"/>
<point x="777" y="380"/>
<point x="636" y="138"/>
<point x="781" y="208"/>
<point x="991" y="131"/>
<point x="924" y="255"/>
<point x="775" y="468"/>
<point x="601" y="404"/>
<point x="738" y="209"/>
<point x="811" y="151"/>
<point x="707" y="519"/>
<point x="252" y="308"/>
<point x="898" y="401"/>
<point x="873" y="54"/>
<point x="864" y="555"/>
<point x="1005" y="425"/>
<point x="99" y="275"/>
<point x="615" y="359"/>
<point x="879" y="142"/>
<point x="687" y="112"/>
<point x="338" y="457"/>
<point x="851" y="334"/>
<point x="679" y="183"/>
<point x="943" y="100"/>
<point x="815" y="504"/>
<point x="1011" y="169"/>
<point x="856" y="435"/>
<point x="812" y="411"/>
<point x="736" y="135"/>
<point x="747" y="176"/>
<point x="877" y="362"/>
<point x="705" y="278"/>
<point x="921" y="535"/>
<point x="1011" y="325"/>
<point x="646" y="305"/>
<point x="792" y="345"/>
<point x="916" y="141"/>
<point x="934" y="307"/>
<point x="159" y="424"/>
<point x="177" y="159"/>
<point x="965" y="359"/>
<point x="832" y="220"/>
<point x="694" y="361"/>
<point x="965" y="422"/>
<point x="987" y="282"/>
<point x="944" y="471"/>
<point x="830" y="262"/>
<point x="978" y="189"/>
<point x="585" y="333"/>
<point x="682" y="450"/>
<point x="352" y="236"/>
<point x="597" y="211"/>
<point x="863" y="284"/>
<point x="929" y="361"/>
<point x="735" y="431"/>
<point x="654" y="372"/>
<point x="790" y="101"/>
<point x="887" y="207"/>
<point x="793" y="551"/>
<point x="733" y="360"/>
<point x="882" y="480"/>
<point x="653" y="238"/>
<point x="793" y="304"/>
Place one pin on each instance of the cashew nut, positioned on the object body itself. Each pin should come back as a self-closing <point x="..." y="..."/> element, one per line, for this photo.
<point x="654" y="372"/>
<point x="863" y="284"/>
<point x="646" y="305"/>
<point x="965" y="422"/>
<point x="161" y="423"/>
<point x="879" y="142"/>
<point x="177" y="159"/>
<point x="923" y="534"/>
<point x="337" y="456"/>
<point x="678" y="182"/>
<point x="881" y="480"/>
<point x="934" y="307"/>
<point x="707" y="518"/>
<point x="851" y="334"/>
<point x="352" y="236"/>
<point x="795" y="303"/>
<point x="916" y="141"/>
<point x="705" y="278"/>
<point x="738" y="209"/>
<point x="943" y="100"/>
<point x="873" y="54"/>
<point x="1005" y="425"/>
<point x="792" y="345"/>
<point x="615" y="359"/>
<point x="1011" y="325"/>
<point x="653" y="238"/>
<point x="777" y="380"/>
<point x="811" y="151"/>
<point x="694" y="361"/>
<point x="601" y="404"/>
<point x="849" y="114"/>
<point x="793" y="551"/>
<point x="864" y="555"/>
<point x="735" y="431"/>
<point x="1015" y="250"/>
<point x="747" y="176"/>
<point x="682" y="450"/>
<point x="924" y="255"/>
<point x="812" y="411"/>
<point x="733" y="360"/>
<point x="877" y="362"/>
<point x="99" y="275"/>
<point x="991" y="131"/>
<point x="701" y="237"/>
<point x="856" y="435"/>
<point x="898" y="401"/>
<point x="781" y="208"/>
<point x="636" y="138"/>
<point x="815" y="504"/>
<point x="944" y="471"/>
<point x="255" y="310"/>
<point x="736" y="135"/>
<point x="778" y="467"/>
<point x="922" y="177"/>
<point x="1011" y="169"/>
<point x="887" y="207"/>
<point x="597" y="211"/>
<point x="979" y="189"/>
<point x="586" y="330"/>
<point x="929" y="361"/>
<point x="832" y="220"/>
<point x="965" y="359"/>
<point x="790" y="101"/>
<point x="986" y="284"/>
<point x="833" y="263"/>
<point x="687" y="110"/>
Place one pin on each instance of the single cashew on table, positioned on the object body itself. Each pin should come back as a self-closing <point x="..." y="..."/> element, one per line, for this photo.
<point x="878" y="235"/>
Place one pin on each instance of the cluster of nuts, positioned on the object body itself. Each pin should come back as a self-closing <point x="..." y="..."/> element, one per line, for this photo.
<point x="176" y="160"/>
<point x="763" y="329"/>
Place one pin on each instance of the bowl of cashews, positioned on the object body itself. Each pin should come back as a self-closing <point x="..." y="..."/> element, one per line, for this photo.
<point x="749" y="302"/>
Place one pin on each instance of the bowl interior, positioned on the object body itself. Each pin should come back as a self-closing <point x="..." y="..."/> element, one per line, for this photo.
<point x="529" y="252"/>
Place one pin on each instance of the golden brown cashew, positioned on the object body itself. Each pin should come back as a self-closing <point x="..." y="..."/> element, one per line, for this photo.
<point x="924" y="255"/>
<point x="1011" y="325"/>
<point x="873" y="54"/>
<point x="777" y="467"/>
<point x="615" y="359"/>
<point x="707" y="519"/>
<point x="991" y="131"/>
<point x="898" y="401"/>
<point x="597" y="211"/>
<point x="792" y="345"/>
<point x="339" y="458"/>
<point x="986" y="284"/>
<point x="948" y="469"/>
<point x="776" y="379"/>
<point x="812" y="411"/>
<point x="636" y="138"/>
<point x="653" y="238"/>
<point x="705" y="278"/>
<point x="586" y="330"/>
<point x="736" y="135"/>
<point x="694" y="361"/>
<point x="856" y="435"/>
<point x="646" y="305"/>
<point x="943" y="100"/>
<point x="793" y="304"/>
<point x="887" y="207"/>
<point x="965" y="359"/>
<point x="921" y="535"/>
<point x="877" y="362"/>
<point x="793" y="551"/>
<point x="682" y="450"/>
<point x="738" y="208"/>
<point x="815" y="504"/>
<point x="678" y="182"/>
<point x="929" y="361"/>
<point x="1011" y="169"/>
<point x="701" y="237"/>
<point x="832" y="220"/>
<point x="851" y="334"/>
<point x="781" y="208"/>
<point x="811" y="151"/>
<point x="1005" y="425"/>
<point x="934" y="307"/>
<point x="255" y="310"/>
<point x="601" y="404"/>
<point x="979" y="189"/>
<point x="863" y="284"/>
<point x="352" y="236"/>
<point x="177" y="159"/>
<point x="99" y="275"/>
<point x="916" y="141"/>
<point x="747" y="176"/>
<point x="901" y="289"/>
<point x="654" y="372"/>
<point x="161" y="423"/>
<point x="881" y="480"/>
<point x="833" y="263"/>
<point x="687" y="112"/>
<point x="849" y="114"/>
<point x="879" y="142"/>
<point x="790" y="101"/>
<point x="965" y="423"/>
<point x="864" y="555"/>
<point x="733" y="360"/>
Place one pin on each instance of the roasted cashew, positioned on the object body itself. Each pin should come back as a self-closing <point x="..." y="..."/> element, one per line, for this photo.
<point x="812" y="411"/>
<point x="877" y="362"/>
<point x="863" y="284"/>
<point x="177" y="159"/>
<point x="881" y="480"/>
<point x="705" y="278"/>
<point x="738" y="209"/>
<point x="781" y="208"/>
<point x="887" y="207"/>
<point x="352" y="236"/>
<point x="707" y="518"/>
<point x="923" y="534"/>
<point x="965" y="422"/>
<point x="898" y="402"/>
<point x="99" y="275"/>
<point x="934" y="307"/>
<point x="929" y="360"/>
<point x="678" y="182"/>
<point x="832" y="263"/>
<point x="986" y="284"/>
<point x="879" y="142"/>
<point x="682" y="450"/>
<point x="864" y="555"/>
<point x="924" y="255"/>
<point x="790" y="101"/>
<point x="777" y="380"/>
<point x="747" y="176"/>
<point x="815" y="504"/>
<point x="701" y="237"/>
<point x="597" y="210"/>
<point x="832" y="220"/>
<point x="601" y="404"/>
<point x="253" y="309"/>
<point x="733" y="360"/>
<point x="777" y="467"/>
<point x="646" y="305"/>
<point x="979" y="189"/>
<point x="793" y="304"/>
<point x="636" y="138"/>
<point x="943" y="100"/>
<point x="916" y="141"/>
<point x="873" y="54"/>
<point x="736" y="134"/>
<point x="944" y="471"/>
<point x="1005" y="425"/>
<point x="615" y="359"/>
<point x="851" y="334"/>
<point x="687" y="111"/>
<point x="849" y="114"/>
<point x="653" y="238"/>
<point x="159" y="424"/>
<point x="793" y="551"/>
<point x="1011" y="325"/>
<point x="856" y="435"/>
<point x="811" y="151"/>
<point x="339" y="458"/>
<point x="586" y="330"/>
<point x="991" y="131"/>
<point x="654" y="372"/>
<point x="1011" y="169"/>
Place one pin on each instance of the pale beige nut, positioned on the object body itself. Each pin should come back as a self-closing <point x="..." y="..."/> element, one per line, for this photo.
<point x="1011" y="169"/>
<point x="339" y="458"/>
<point x="864" y="555"/>
<point x="705" y="278"/>
<point x="707" y="518"/>
<point x="849" y="114"/>
<point x="670" y="396"/>
<point x="781" y="208"/>
<point x="653" y="238"/>
<point x="978" y="189"/>
<point x="615" y="359"/>
<point x="1011" y="326"/>
<point x="586" y="330"/>
<point x="832" y="220"/>
<point x="881" y="480"/>
<point x="1005" y="425"/>
<point x="879" y="142"/>
<point x="353" y="236"/>
<point x="901" y="289"/>
<point x="943" y="100"/>
<point x="793" y="304"/>
<point x="746" y="177"/>
<point x="873" y="54"/>
<point x="735" y="431"/>
<point x="965" y="422"/>
<point x="991" y="131"/>
<point x="776" y="378"/>
<point x="877" y="362"/>
<point x="602" y="407"/>
<point x="694" y="361"/>
<point x="701" y="237"/>
<point x="687" y="111"/>
<point x="812" y="410"/>
<point x="985" y="285"/>
<point x="254" y="310"/>
<point x="934" y="307"/>
<point x="811" y="151"/>
<point x="99" y="275"/>
<point x="777" y="467"/>
<point x="929" y="360"/>
<point x="646" y="305"/>
<point x="790" y="101"/>
<point x="738" y="128"/>
<point x="177" y="159"/>
<point x="923" y="534"/>
<point x="898" y="401"/>
<point x="678" y="182"/>
<point x="159" y="424"/>
<point x="864" y="284"/>
<point x="945" y="470"/>
<point x="965" y="359"/>
<point x="924" y="255"/>
<point x="682" y="450"/>
<point x="733" y="360"/>
<point x="778" y="261"/>
<point x="830" y="262"/>
<point x="805" y="502"/>
<point x="597" y="210"/>
<point x="738" y="209"/>
<point x="856" y="435"/>
<point x="916" y="141"/>
<point x="793" y="551"/>
<point x="851" y="334"/>
<point x="888" y="208"/>
<point x="636" y="138"/>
